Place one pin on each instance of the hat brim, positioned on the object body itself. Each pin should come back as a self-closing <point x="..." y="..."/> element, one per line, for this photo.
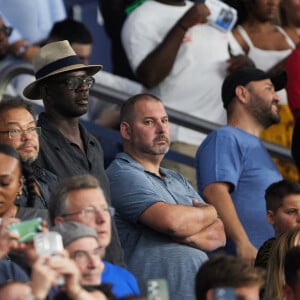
<point x="279" y="80"/>
<point x="32" y="91"/>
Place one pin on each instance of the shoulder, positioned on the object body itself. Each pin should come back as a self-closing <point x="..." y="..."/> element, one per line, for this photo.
<point x="116" y="270"/>
<point x="123" y="164"/>
<point x="27" y="213"/>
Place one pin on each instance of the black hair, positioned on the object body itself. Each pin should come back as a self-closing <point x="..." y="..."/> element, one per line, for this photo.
<point x="11" y="103"/>
<point x="71" y="30"/>
<point x="278" y="190"/>
<point x="127" y="109"/>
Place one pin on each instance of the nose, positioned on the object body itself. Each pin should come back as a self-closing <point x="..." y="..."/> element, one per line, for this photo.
<point x="161" y="127"/>
<point x="93" y="260"/>
<point x="100" y="217"/>
<point x="276" y="96"/>
<point x="83" y="86"/>
<point x="25" y="135"/>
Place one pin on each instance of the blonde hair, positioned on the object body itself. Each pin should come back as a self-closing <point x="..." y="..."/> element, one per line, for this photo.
<point x="275" y="269"/>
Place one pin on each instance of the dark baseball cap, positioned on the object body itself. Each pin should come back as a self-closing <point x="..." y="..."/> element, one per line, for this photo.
<point x="244" y="76"/>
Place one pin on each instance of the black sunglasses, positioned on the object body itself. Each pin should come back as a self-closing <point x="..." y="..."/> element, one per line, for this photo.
<point x="6" y="30"/>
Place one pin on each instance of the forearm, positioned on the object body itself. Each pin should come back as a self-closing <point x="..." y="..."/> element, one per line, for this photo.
<point x="222" y="201"/>
<point x="158" y="64"/>
<point x="210" y="238"/>
<point x="179" y="221"/>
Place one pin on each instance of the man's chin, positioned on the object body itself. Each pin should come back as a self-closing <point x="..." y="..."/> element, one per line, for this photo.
<point x="28" y="159"/>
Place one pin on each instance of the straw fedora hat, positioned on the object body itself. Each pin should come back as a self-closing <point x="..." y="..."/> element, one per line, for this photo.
<point x="52" y="59"/>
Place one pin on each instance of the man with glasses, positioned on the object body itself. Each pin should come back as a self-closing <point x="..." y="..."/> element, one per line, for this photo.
<point x="67" y="148"/>
<point x="82" y="244"/>
<point x="81" y="199"/>
<point x="18" y="129"/>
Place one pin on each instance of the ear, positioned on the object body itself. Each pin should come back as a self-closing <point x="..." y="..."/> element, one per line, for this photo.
<point x="270" y="217"/>
<point x="209" y="295"/>
<point x="125" y="130"/>
<point x="58" y="220"/>
<point x="21" y="182"/>
<point x="242" y="93"/>
<point x="43" y="90"/>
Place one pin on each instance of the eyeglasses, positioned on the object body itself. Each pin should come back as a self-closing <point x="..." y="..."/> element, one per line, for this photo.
<point x="90" y="213"/>
<point x="6" y="30"/>
<point x="73" y="83"/>
<point x="83" y="257"/>
<point x="14" y="134"/>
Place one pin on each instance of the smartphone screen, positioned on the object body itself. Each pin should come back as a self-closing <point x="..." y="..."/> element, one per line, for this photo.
<point x="48" y="243"/>
<point x="157" y="289"/>
<point x="26" y="229"/>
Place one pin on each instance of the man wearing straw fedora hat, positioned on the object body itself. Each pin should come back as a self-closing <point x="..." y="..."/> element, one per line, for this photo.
<point x="67" y="148"/>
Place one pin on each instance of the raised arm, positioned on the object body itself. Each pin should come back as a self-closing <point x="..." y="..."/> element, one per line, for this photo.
<point x="158" y="64"/>
<point x="218" y="195"/>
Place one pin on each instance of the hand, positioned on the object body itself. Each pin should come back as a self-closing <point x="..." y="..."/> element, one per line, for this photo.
<point x="43" y="277"/>
<point x="198" y="13"/>
<point x="197" y="203"/>
<point x="29" y="249"/>
<point x="68" y="269"/>
<point x="246" y="251"/>
<point x="237" y="62"/>
<point x="9" y="240"/>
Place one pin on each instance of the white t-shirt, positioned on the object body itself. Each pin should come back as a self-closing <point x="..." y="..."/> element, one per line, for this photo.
<point x="194" y="83"/>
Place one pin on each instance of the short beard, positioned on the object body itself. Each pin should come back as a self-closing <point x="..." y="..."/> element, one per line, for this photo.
<point x="29" y="160"/>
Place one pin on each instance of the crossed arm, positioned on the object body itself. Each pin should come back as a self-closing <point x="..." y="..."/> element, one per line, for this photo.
<point x="197" y="226"/>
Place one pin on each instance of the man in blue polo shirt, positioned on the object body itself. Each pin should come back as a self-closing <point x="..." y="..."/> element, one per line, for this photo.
<point x="163" y="224"/>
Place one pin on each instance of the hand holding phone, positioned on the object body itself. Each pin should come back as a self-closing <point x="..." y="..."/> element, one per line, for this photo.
<point x="49" y="244"/>
<point x="222" y="16"/>
<point x="26" y="229"/>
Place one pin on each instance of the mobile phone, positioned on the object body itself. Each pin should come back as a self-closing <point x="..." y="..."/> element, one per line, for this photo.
<point x="26" y="229"/>
<point x="49" y="244"/>
<point x="222" y="16"/>
<point x="157" y="289"/>
<point x="224" y="293"/>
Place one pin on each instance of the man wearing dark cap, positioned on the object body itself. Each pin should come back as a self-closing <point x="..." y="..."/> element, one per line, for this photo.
<point x="82" y="244"/>
<point x="234" y="168"/>
<point x="66" y="147"/>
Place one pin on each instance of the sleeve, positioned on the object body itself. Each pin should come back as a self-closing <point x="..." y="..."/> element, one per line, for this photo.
<point x="132" y="192"/>
<point x="218" y="159"/>
<point x="293" y="72"/>
<point x="57" y="10"/>
<point x="138" y="40"/>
